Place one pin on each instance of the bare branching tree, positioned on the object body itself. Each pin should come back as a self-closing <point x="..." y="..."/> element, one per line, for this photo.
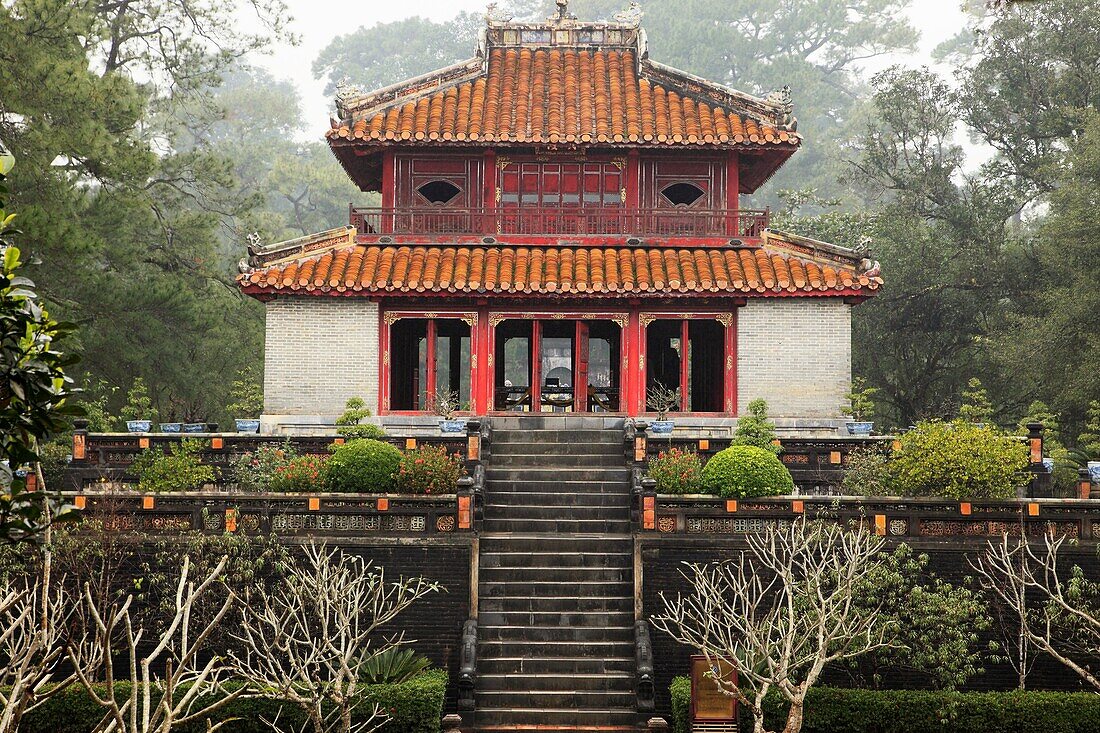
<point x="781" y="611"/>
<point x="1057" y="611"/>
<point x="33" y="614"/>
<point x="307" y="640"/>
<point x="168" y="682"/>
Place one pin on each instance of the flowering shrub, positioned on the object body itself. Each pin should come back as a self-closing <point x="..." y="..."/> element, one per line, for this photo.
<point x="744" y="471"/>
<point x="257" y="470"/>
<point x="301" y="473"/>
<point x="677" y="471"/>
<point x="363" y="465"/>
<point x="958" y="460"/>
<point x="429" y="469"/>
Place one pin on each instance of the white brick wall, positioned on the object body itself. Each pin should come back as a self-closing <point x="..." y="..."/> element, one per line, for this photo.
<point x="796" y="353"/>
<point x="319" y="352"/>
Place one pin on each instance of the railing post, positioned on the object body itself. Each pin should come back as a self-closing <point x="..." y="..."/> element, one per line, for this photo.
<point x="1041" y="485"/>
<point x="467" y="671"/>
<point x="643" y="666"/>
<point x="1084" y="484"/>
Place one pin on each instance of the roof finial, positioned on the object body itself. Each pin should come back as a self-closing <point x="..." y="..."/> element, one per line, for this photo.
<point x="493" y="14"/>
<point x="631" y="16"/>
<point x="563" y="12"/>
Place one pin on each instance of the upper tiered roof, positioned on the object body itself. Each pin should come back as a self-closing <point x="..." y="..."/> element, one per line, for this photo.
<point x="561" y="82"/>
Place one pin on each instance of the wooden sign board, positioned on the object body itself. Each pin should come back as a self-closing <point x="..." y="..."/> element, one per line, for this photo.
<point x="708" y="703"/>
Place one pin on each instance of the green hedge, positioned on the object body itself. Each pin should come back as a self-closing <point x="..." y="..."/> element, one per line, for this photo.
<point x="829" y="710"/>
<point x="680" y="691"/>
<point x="415" y="706"/>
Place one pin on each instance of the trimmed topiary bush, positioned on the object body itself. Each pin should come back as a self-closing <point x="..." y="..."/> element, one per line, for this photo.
<point x="680" y="693"/>
<point x="958" y="460"/>
<point x="745" y="471"/>
<point x="413" y="706"/>
<point x="364" y="465"/>
<point x="677" y="471"/>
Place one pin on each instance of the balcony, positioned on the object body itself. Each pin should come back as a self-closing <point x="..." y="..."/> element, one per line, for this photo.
<point x="561" y="221"/>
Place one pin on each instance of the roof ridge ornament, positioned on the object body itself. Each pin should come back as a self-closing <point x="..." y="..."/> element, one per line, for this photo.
<point x="563" y="13"/>
<point x="782" y="99"/>
<point x="493" y="14"/>
<point x="631" y="16"/>
<point x="346" y="92"/>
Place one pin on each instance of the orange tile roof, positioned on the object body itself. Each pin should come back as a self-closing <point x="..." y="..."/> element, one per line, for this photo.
<point x="567" y="95"/>
<point x="511" y="269"/>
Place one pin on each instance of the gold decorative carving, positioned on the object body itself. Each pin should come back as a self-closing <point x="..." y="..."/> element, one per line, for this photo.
<point x="621" y="318"/>
<point x="392" y="318"/>
<point x="646" y="318"/>
<point x="498" y="194"/>
<point x="726" y="319"/>
<point x="622" y="195"/>
<point x="431" y="315"/>
<point x="503" y="162"/>
<point x="495" y="319"/>
<point x="729" y="362"/>
<point x="490" y="360"/>
<point x="386" y="357"/>
<point x="470" y="319"/>
<point x="641" y="362"/>
<point x="473" y="361"/>
<point x="619" y="163"/>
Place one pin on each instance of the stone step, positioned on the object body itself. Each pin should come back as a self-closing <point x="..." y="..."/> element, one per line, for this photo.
<point x="494" y="510"/>
<point x="501" y="459"/>
<point x="555" y="476"/>
<point x="598" y="543"/>
<point x="560" y="575"/>
<point x="610" y="681"/>
<point x="552" y="719"/>
<point x="531" y="447"/>
<point x="497" y="559"/>
<point x="522" y="664"/>
<point x="563" y="488"/>
<point x="554" y="649"/>
<point x="580" y="700"/>
<point x="555" y="588"/>
<point x="539" y="619"/>
<point x="544" y="604"/>
<point x="556" y="434"/>
<point x="531" y="634"/>
<point x="620" y="498"/>
<point x="556" y="526"/>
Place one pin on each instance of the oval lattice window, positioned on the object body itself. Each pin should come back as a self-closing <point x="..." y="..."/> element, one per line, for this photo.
<point x="682" y="194"/>
<point x="439" y="192"/>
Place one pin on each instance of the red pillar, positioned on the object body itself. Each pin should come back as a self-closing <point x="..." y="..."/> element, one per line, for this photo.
<point x="731" y="365"/>
<point x="634" y="376"/>
<point x="733" y="186"/>
<point x="482" y="371"/>
<point x="389" y="192"/>
<point x="489" y="191"/>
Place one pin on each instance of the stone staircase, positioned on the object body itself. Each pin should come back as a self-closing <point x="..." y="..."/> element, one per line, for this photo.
<point x="556" y="608"/>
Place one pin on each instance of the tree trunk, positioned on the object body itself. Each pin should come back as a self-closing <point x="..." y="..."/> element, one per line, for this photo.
<point x="794" y="717"/>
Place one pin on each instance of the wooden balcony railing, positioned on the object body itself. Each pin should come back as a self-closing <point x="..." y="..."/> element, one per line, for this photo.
<point x="562" y="220"/>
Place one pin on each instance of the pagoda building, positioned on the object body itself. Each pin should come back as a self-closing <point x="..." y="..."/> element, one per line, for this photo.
<point x="560" y="231"/>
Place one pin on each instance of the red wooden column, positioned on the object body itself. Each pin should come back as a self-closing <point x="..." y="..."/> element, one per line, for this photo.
<point x="429" y="390"/>
<point x="733" y="186"/>
<point x="633" y="191"/>
<point x="731" y="363"/>
<point x="536" y="366"/>
<point x="389" y="197"/>
<point x="489" y="191"/>
<point x="384" y="365"/>
<point x="634" y="378"/>
<point x="482" y="366"/>
<point x="685" y="368"/>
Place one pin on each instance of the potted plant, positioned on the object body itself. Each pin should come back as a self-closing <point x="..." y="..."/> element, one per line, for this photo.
<point x="247" y="400"/>
<point x="138" y="411"/>
<point x="662" y="400"/>
<point x="861" y="407"/>
<point x="171" y="427"/>
<point x="445" y="404"/>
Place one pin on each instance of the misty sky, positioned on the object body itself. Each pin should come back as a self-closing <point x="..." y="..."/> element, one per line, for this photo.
<point x="318" y="21"/>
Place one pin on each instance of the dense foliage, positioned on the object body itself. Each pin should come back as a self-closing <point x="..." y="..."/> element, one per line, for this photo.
<point x="831" y="709"/>
<point x="180" y="468"/>
<point x="958" y="460"/>
<point x="259" y="470"/>
<point x="36" y="396"/>
<point x="413" y="706"/>
<point x="676" y="471"/>
<point x="744" y="471"/>
<point x="429" y="469"/>
<point x="301" y="473"/>
<point x="364" y="465"/>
